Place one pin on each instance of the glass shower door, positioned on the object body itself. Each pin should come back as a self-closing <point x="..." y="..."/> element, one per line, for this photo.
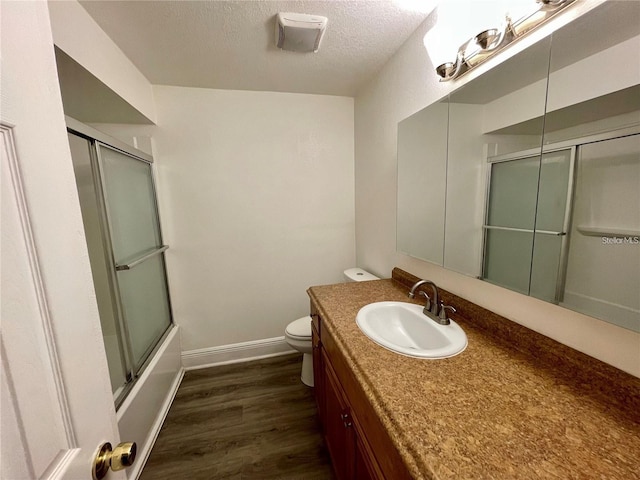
<point x="548" y="264"/>
<point x="101" y="263"/>
<point x="136" y="241"/>
<point x="528" y="210"/>
<point x="510" y="220"/>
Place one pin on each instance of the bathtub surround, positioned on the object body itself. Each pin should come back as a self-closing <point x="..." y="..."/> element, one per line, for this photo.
<point x="142" y="414"/>
<point x="145" y="381"/>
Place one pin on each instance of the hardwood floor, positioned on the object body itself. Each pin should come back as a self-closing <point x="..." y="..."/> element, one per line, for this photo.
<point x="246" y="421"/>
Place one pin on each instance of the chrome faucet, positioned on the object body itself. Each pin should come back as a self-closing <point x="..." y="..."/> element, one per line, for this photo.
<point x="443" y="319"/>
<point x="434" y="309"/>
<point x="432" y="303"/>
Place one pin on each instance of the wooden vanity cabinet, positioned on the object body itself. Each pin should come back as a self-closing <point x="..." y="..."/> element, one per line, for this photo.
<point x="359" y="447"/>
<point x="338" y="426"/>
<point x="318" y="364"/>
<point x="364" y="469"/>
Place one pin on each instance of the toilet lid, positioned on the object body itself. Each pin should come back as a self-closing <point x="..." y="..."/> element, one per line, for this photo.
<point x="300" y="328"/>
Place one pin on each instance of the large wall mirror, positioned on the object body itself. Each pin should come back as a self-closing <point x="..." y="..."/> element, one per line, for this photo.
<point x="528" y="176"/>
<point x="422" y="183"/>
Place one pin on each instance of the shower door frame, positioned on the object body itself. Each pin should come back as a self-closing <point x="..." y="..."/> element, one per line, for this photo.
<point x="566" y="225"/>
<point x="98" y="139"/>
<point x="574" y="145"/>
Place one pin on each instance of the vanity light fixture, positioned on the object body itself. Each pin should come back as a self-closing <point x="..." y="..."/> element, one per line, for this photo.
<point x="477" y="49"/>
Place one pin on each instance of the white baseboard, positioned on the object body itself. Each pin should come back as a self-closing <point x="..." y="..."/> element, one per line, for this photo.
<point x="235" y="353"/>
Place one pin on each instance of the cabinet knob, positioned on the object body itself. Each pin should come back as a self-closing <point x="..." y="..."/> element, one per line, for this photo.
<point x="346" y="420"/>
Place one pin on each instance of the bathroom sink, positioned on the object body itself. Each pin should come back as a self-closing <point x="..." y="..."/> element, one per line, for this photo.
<point x="403" y="328"/>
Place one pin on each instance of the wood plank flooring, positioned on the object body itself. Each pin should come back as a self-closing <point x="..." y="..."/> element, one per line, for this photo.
<point x="253" y="420"/>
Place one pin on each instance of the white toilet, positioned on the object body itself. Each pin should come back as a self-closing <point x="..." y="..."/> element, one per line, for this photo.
<point x="298" y="333"/>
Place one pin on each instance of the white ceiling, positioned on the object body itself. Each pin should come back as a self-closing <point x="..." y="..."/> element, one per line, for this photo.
<point x="230" y="44"/>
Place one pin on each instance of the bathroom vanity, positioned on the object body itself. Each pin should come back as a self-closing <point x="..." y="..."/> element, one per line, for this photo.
<point x="357" y="441"/>
<point x="514" y="404"/>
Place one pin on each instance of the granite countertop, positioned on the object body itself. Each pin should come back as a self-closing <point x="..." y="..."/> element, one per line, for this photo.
<point x="494" y="411"/>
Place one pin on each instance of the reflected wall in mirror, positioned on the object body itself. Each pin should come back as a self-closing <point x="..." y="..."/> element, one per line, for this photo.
<point x="543" y="170"/>
<point x="422" y="181"/>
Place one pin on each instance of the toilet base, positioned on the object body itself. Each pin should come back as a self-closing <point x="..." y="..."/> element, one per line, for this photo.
<point x="307" y="370"/>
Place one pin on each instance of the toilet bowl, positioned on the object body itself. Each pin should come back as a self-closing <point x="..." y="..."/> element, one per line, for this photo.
<point x="298" y="333"/>
<point x="298" y="336"/>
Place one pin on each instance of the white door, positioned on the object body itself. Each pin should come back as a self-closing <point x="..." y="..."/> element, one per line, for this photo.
<point x="56" y="401"/>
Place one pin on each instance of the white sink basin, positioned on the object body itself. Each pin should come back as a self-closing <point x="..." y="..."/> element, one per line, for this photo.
<point x="403" y="328"/>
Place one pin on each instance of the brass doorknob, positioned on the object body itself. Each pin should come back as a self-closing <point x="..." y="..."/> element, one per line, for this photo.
<point x="123" y="456"/>
<point x="118" y="458"/>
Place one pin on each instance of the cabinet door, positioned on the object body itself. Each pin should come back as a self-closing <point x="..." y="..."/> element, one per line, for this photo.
<point x="318" y="373"/>
<point x="338" y="427"/>
<point x="362" y="469"/>
<point x="365" y="465"/>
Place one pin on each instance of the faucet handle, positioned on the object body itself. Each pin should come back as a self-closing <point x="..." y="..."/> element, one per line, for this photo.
<point x="428" y="304"/>
<point x="443" y="311"/>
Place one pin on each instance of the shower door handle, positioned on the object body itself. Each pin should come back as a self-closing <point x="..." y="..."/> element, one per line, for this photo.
<point x="523" y="230"/>
<point x="138" y="261"/>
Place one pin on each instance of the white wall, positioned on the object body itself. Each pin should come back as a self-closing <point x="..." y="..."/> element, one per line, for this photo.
<point x="257" y="203"/>
<point x="80" y="37"/>
<point x="405" y="85"/>
<point x="402" y="88"/>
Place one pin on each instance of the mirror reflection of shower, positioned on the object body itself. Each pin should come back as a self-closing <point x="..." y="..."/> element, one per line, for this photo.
<point x="583" y="235"/>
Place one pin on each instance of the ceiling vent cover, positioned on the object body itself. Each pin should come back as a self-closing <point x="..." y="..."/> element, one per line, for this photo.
<point x="299" y="32"/>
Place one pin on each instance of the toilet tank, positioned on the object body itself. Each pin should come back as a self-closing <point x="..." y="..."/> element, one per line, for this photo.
<point x="358" y="275"/>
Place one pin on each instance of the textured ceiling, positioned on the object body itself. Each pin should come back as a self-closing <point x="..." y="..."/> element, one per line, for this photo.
<point x="230" y="44"/>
